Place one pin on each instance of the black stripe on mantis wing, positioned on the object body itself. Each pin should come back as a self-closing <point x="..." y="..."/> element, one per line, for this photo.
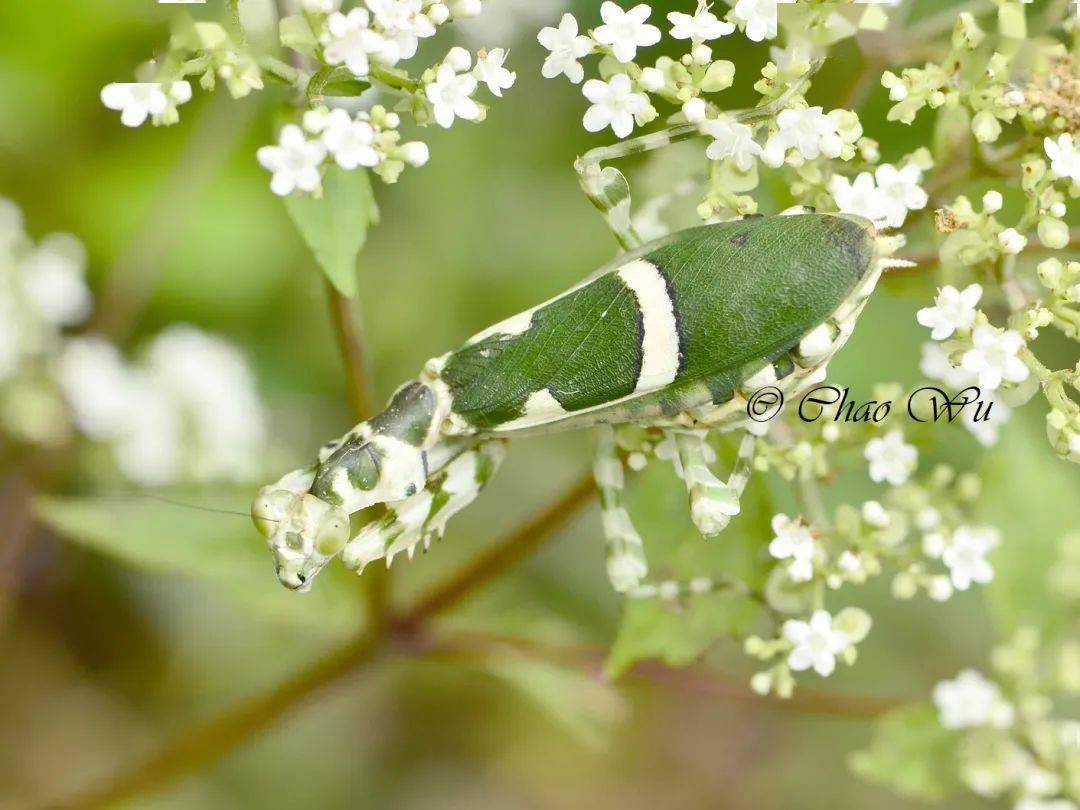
<point x="664" y="335"/>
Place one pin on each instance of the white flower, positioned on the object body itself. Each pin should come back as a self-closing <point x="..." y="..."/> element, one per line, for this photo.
<point x="731" y="140"/>
<point x="626" y="31"/>
<point x="953" y="310"/>
<point x="993" y="359"/>
<point x="402" y="22"/>
<point x="970" y="700"/>
<point x="875" y="515"/>
<point x="1064" y="157"/>
<point x="992" y="201"/>
<point x="936" y="365"/>
<point x="965" y="553"/>
<point x="695" y="110"/>
<point x="450" y="96"/>
<point x="53" y="280"/>
<point x="95" y="383"/>
<point x="793" y="540"/>
<point x="566" y="49"/>
<point x="700" y="26"/>
<point x="759" y="18"/>
<point x="139" y="100"/>
<point x="294" y="162"/>
<point x="614" y="104"/>
<point x="900" y="191"/>
<point x="810" y="132"/>
<point x="861" y="196"/>
<point x="350" y="141"/>
<point x="816" y="643"/>
<point x="890" y="458"/>
<point x="415" y="153"/>
<point x="489" y="70"/>
<point x="986" y="431"/>
<point x="350" y="41"/>
<point x="1011" y="241"/>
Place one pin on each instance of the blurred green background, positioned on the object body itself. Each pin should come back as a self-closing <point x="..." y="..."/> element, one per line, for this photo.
<point x="102" y="662"/>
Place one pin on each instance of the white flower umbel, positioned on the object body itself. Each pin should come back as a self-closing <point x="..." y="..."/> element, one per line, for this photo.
<point x="993" y="358"/>
<point x="964" y="554"/>
<point x="567" y="47"/>
<point x="810" y="132"/>
<point x="969" y="701"/>
<point x="614" y="104"/>
<point x="701" y="26"/>
<point x="489" y="70"/>
<point x="731" y="140"/>
<point x="54" y="281"/>
<point x="793" y="541"/>
<point x="451" y="96"/>
<point x="816" y="643"/>
<point x="900" y="192"/>
<point x="403" y="23"/>
<point x="758" y="18"/>
<point x="350" y="140"/>
<point x="1064" y="156"/>
<point x="138" y="101"/>
<point x="294" y="162"/>
<point x="891" y="459"/>
<point x="953" y="310"/>
<point x="626" y="31"/>
<point x="350" y="41"/>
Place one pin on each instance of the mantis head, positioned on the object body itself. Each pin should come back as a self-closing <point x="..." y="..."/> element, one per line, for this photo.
<point x="305" y="515"/>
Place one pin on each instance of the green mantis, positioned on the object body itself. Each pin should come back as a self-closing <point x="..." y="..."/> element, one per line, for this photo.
<point x="668" y="341"/>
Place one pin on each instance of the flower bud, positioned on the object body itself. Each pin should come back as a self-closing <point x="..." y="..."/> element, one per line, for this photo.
<point x="1053" y="233"/>
<point x="986" y="127"/>
<point x="992" y="202"/>
<point x="415" y="153"/>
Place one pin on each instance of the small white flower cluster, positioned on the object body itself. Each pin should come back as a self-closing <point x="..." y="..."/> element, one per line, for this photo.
<point x="891" y="459"/>
<point x="970" y="700"/>
<point x="884" y="197"/>
<point x="812" y="644"/>
<point x="963" y="551"/>
<point x="138" y="101"/>
<point x="42" y="291"/>
<point x="188" y="411"/>
<point x="992" y="356"/>
<point x="354" y="50"/>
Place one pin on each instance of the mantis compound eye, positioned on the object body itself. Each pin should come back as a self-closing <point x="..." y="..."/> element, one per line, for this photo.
<point x="270" y="507"/>
<point x="333" y="532"/>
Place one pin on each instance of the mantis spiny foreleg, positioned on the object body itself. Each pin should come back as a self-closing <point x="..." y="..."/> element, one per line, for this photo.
<point x="626" y="565"/>
<point x="607" y="187"/>
<point x="712" y="502"/>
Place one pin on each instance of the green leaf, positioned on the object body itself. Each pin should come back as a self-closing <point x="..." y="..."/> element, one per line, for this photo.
<point x="680" y="634"/>
<point x="585" y="707"/>
<point x="335" y="225"/>
<point x="1023" y="470"/>
<point x="912" y="754"/>
<point x="223" y="550"/>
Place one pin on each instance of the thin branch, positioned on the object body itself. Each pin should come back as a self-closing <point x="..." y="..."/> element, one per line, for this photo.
<point x="353" y="356"/>
<point x="137" y="270"/>
<point x="504" y="555"/>
<point x="211" y="741"/>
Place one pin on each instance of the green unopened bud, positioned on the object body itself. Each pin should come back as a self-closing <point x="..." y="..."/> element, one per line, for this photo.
<point x="719" y="76"/>
<point x="986" y="127"/>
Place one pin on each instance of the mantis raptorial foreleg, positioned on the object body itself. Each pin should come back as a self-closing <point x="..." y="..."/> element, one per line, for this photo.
<point x="626" y="565"/>
<point x="607" y="187"/>
<point x="712" y="502"/>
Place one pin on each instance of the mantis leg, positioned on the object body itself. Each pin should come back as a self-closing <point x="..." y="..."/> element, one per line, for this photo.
<point x="607" y="187"/>
<point x="712" y="502"/>
<point x="626" y="565"/>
